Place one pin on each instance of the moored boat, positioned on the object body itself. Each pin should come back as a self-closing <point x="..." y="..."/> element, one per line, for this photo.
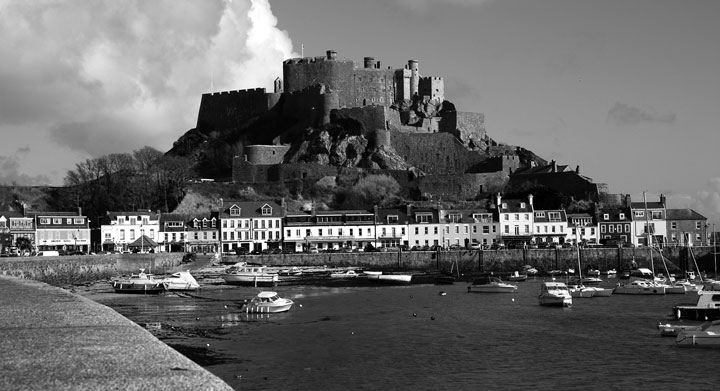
<point x="555" y="294"/>
<point x="138" y="283"/>
<point x="244" y="274"/>
<point x="267" y="302"/>
<point x="180" y="281"/>
<point x="638" y="287"/>
<point x="346" y="274"/>
<point x="491" y="285"/>
<point x="516" y="276"/>
<point x="580" y="291"/>
<point x="707" y="337"/>
<point x="391" y="278"/>
<point x="707" y="307"/>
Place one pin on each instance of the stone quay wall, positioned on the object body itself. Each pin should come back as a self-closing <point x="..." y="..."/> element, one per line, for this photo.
<point x="86" y="269"/>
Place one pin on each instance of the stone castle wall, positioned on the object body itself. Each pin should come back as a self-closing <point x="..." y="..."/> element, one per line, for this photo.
<point x="228" y="110"/>
<point x="436" y="153"/>
<point x="265" y="154"/>
<point x="456" y="187"/>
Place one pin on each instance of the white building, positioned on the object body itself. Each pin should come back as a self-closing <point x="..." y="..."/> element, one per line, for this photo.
<point x="251" y="226"/>
<point x="121" y="229"/>
<point x="516" y="219"/>
<point x="329" y="230"/>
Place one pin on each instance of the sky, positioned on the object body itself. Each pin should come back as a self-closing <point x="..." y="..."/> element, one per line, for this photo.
<point x="627" y="90"/>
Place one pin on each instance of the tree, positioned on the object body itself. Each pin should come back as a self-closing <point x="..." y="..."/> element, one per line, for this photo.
<point x="23" y="244"/>
<point x="372" y="190"/>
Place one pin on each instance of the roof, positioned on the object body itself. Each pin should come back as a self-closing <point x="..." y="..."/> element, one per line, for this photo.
<point x="650" y="205"/>
<point x="513" y="206"/>
<point x="684" y="214"/>
<point x="251" y="209"/>
<point x="545" y="218"/>
<point x="114" y="215"/>
<point x="143" y="241"/>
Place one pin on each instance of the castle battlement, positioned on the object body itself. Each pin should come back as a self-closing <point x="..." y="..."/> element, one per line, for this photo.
<point x="236" y="92"/>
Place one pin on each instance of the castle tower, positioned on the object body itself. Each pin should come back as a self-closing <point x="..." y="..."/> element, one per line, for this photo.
<point x="369" y="62"/>
<point x="331" y="54"/>
<point x="278" y="85"/>
<point x="414" y="77"/>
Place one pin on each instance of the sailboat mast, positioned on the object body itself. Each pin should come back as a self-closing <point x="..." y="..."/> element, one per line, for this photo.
<point x="648" y="236"/>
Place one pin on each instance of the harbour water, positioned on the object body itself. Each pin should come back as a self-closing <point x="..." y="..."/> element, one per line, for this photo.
<point x="424" y="337"/>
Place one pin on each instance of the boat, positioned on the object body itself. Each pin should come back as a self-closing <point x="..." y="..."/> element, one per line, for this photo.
<point x="673" y="329"/>
<point x="267" y="302"/>
<point x="391" y="278"/>
<point x="345" y="274"/>
<point x="293" y="271"/>
<point x="707" y="337"/>
<point x="529" y="270"/>
<point x="591" y="281"/>
<point x="371" y="274"/>
<point x="610" y="272"/>
<point x="138" y="283"/>
<point x="580" y="291"/>
<point x="243" y="274"/>
<point x="638" y="287"/>
<point x="180" y="281"/>
<point x="491" y="285"/>
<point x="601" y="292"/>
<point x="516" y="276"/>
<point x="556" y="294"/>
<point x="707" y="307"/>
<point x="593" y="272"/>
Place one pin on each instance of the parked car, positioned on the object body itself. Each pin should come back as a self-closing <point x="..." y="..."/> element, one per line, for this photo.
<point x="476" y="246"/>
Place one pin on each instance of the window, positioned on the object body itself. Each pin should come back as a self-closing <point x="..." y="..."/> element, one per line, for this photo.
<point x="656" y="215"/>
<point x="504" y="205"/>
<point x="639" y="213"/>
<point x="435" y="231"/>
<point x="266" y="210"/>
<point x="57" y="221"/>
<point x="673" y="225"/>
<point x="554" y="216"/>
<point x="78" y="221"/>
<point x="392" y="219"/>
<point x="539" y="214"/>
<point x="320" y="232"/>
<point x="698" y="225"/>
<point x="133" y="220"/>
<point x="44" y="220"/>
<point x="423" y="218"/>
<point x="622" y="216"/>
<point x="507" y="230"/>
<point x="122" y="234"/>
<point x="627" y="228"/>
<point x="527" y="229"/>
<point x="517" y="217"/>
<point x="611" y="228"/>
<point x="417" y="230"/>
<point x="606" y="216"/>
<point x="485" y="229"/>
<point x="522" y="205"/>
<point x="602" y="228"/>
<point x="234" y="210"/>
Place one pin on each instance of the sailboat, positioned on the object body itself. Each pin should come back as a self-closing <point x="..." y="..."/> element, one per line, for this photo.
<point x="578" y="289"/>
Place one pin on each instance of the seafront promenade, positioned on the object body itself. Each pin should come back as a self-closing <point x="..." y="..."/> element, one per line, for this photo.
<point x="52" y="339"/>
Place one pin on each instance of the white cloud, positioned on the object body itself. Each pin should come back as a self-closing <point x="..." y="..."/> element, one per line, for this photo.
<point x="108" y="76"/>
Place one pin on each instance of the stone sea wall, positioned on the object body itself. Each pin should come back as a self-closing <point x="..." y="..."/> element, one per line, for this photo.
<point x="85" y="269"/>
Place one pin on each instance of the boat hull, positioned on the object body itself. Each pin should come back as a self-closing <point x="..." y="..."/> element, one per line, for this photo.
<point x="391" y="279"/>
<point x="264" y="309"/>
<point x="140" y="288"/>
<point x="555" y="301"/>
<point x="696" y="313"/>
<point x="698" y="339"/>
<point x="492" y="289"/>
<point x="250" y="280"/>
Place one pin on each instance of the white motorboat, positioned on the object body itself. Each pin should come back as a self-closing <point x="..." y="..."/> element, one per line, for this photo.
<point x="581" y="291"/>
<point x="138" y="283"/>
<point x="707" y="307"/>
<point x="293" y="271"/>
<point x="346" y="274"/>
<point x="556" y="294"/>
<point x="638" y="287"/>
<point x="180" y="281"/>
<point x="491" y="285"/>
<point x="244" y="274"/>
<point x="601" y="292"/>
<point x="267" y="302"/>
<point x="707" y="337"/>
<point x="610" y="272"/>
<point x="592" y="281"/>
<point x="593" y="272"/>
<point x="673" y="329"/>
<point x="516" y="276"/>
<point x="391" y="278"/>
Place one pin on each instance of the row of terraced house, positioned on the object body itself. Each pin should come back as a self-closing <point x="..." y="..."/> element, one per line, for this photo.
<point x="266" y="225"/>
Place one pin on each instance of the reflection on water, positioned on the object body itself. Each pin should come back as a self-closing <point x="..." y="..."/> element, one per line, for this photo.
<point x="234" y="319"/>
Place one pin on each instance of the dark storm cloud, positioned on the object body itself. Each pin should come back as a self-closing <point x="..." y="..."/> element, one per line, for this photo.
<point x="622" y="114"/>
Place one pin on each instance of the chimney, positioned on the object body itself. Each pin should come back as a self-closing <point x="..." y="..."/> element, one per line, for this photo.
<point x="79" y="211"/>
<point x="662" y="199"/>
<point x="408" y="210"/>
<point x="577" y="169"/>
<point x="530" y="199"/>
<point x="221" y="202"/>
<point x="627" y="200"/>
<point x="499" y="200"/>
<point x="554" y="165"/>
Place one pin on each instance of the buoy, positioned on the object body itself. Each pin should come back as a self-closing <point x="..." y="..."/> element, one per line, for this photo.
<point x="414" y="314"/>
<point x="443" y="293"/>
<point x="513" y="299"/>
<point x="300" y="305"/>
<point x="197" y="318"/>
<point x="208" y="345"/>
<point x="432" y="318"/>
<point x="352" y="332"/>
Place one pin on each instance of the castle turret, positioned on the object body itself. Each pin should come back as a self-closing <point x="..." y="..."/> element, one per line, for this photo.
<point x="414" y="77"/>
<point x="331" y="54"/>
<point x="369" y="62"/>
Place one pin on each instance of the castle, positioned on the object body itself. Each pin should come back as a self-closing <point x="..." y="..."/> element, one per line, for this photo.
<point x="401" y="125"/>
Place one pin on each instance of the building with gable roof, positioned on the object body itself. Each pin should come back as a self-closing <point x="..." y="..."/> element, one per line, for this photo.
<point x="329" y="230"/>
<point x="649" y="224"/>
<point x="14" y="225"/>
<point x="550" y="226"/>
<point x="615" y="225"/>
<point x="425" y="227"/>
<point x="250" y="225"/>
<point x="582" y="228"/>
<point x="119" y="230"/>
<point x="515" y="219"/>
<point x="686" y="227"/>
<point x="61" y="231"/>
